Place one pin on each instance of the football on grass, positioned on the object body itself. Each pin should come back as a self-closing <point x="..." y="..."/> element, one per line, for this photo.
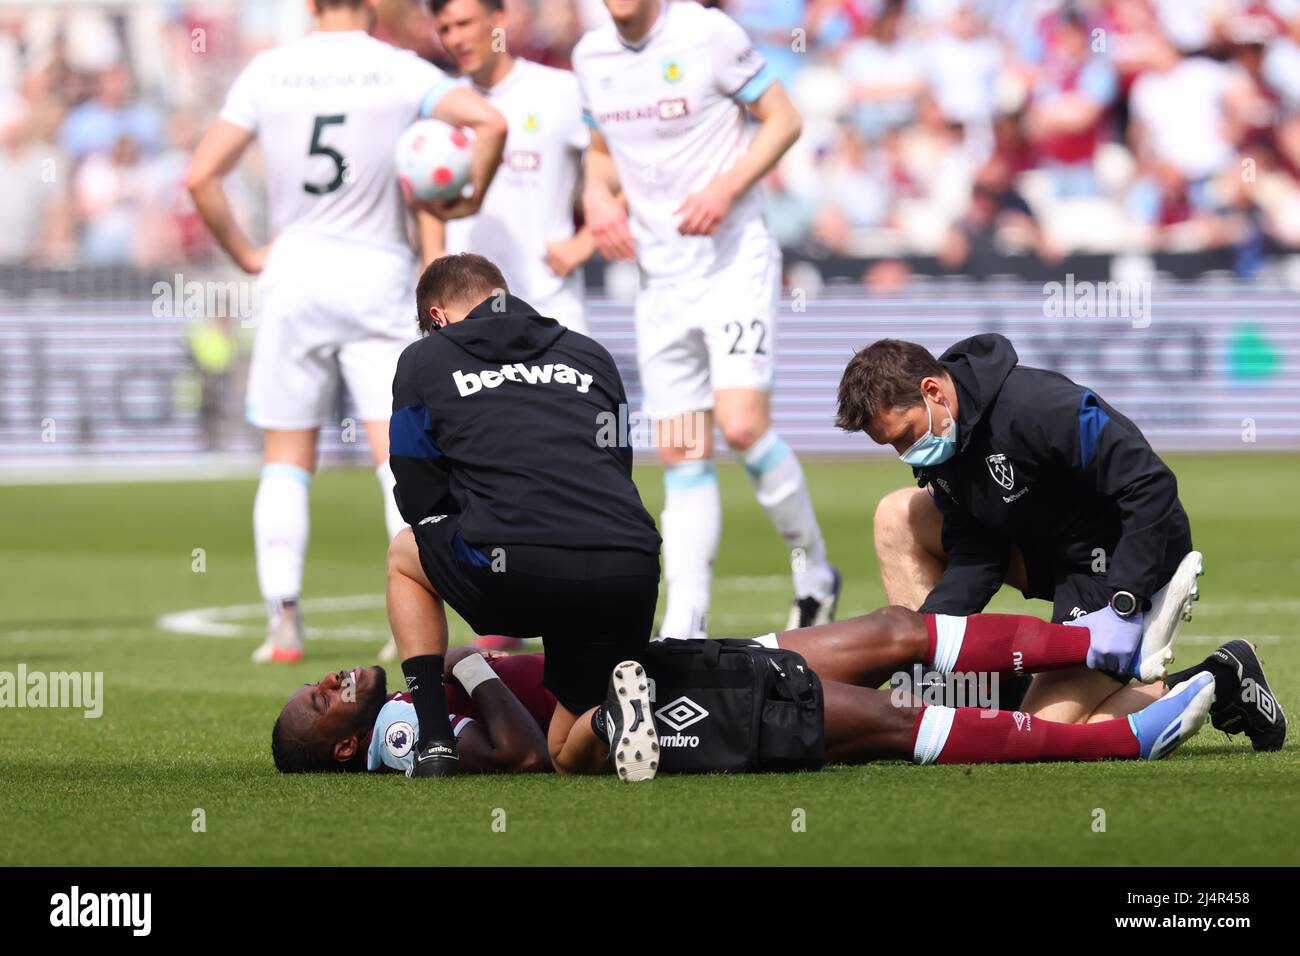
<point x="433" y="160"/>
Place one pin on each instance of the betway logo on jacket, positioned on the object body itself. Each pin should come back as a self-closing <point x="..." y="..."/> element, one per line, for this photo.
<point x="467" y="383"/>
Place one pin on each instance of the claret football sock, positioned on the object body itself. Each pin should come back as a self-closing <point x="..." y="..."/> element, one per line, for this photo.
<point x="967" y="735"/>
<point x="280" y="530"/>
<point x="1003" y="644"/>
<point x="691" y="525"/>
<point x="428" y="697"/>
<point x="781" y="490"/>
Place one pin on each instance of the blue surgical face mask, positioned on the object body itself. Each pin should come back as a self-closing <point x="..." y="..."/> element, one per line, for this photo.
<point x="931" y="449"/>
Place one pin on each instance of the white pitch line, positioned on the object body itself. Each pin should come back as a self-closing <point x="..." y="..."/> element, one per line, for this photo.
<point x="244" y="621"/>
<point x="223" y="621"/>
<point x="213" y="621"/>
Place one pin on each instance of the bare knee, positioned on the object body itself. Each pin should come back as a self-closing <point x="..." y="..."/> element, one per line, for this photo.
<point x="670" y="455"/>
<point x="402" y="551"/>
<point x="902" y="628"/>
<point x="907" y="520"/>
<point x="687" y="437"/>
<point x="740" y="436"/>
<point x="892" y="520"/>
<point x="743" y="418"/>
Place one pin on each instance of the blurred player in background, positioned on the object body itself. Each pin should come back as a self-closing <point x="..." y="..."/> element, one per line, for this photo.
<point x="665" y="88"/>
<point x="335" y="284"/>
<point x="407" y="24"/>
<point x="526" y="223"/>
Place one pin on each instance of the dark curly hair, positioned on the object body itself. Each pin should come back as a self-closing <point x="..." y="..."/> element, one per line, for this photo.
<point x="292" y="754"/>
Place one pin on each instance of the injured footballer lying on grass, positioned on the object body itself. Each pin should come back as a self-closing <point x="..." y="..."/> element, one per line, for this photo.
<point x="813" y="697"/>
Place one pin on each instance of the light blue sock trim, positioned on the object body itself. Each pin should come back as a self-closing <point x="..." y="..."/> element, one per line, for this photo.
<point x="285" y="470"/>
<point x="777" y="452"/>
<point x="690" y="474"/>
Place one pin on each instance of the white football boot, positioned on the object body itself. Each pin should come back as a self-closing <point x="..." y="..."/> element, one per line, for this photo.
<point x="1170" y="607"/>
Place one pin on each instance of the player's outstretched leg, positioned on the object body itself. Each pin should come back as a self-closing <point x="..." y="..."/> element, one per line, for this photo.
<point x="866" y="650"/>
<point x="946" y="735"/>
<point x="1243" y="700"/>
<point x="863" y="724"/>
<point x="1019" y="644"/>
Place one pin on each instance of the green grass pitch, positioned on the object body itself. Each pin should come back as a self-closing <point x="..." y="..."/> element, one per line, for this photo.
<point x="87" y="571"/>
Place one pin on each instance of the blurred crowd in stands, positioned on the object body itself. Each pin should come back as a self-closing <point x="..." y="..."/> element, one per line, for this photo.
<point x="959" y="129"/>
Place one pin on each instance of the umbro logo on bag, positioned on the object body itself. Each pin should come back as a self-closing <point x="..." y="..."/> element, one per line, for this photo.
<point x="681" y="713"/>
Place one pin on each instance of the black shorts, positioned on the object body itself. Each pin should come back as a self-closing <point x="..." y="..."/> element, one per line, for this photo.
<point x="1077" y="594"/>
<point x="598" y="614"/>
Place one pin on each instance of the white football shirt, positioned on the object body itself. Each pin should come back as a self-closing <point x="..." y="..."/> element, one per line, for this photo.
<point x="328" y="110"/>
<point x="671" y="110"/>
<point x="530" y="201"/>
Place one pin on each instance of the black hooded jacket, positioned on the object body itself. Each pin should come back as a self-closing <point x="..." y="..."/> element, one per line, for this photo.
<point x="505" y="420"/>
<point x="1046" y="465"/>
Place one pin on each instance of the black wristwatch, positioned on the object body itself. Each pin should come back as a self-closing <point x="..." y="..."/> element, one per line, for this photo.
<point x="1124" y="603"/>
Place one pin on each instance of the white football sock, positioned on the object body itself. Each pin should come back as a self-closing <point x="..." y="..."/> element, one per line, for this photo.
<point x="392" y="517"/>
<point x="691" y="525"/>
<point x="280" y="528"/>
<point x="932" y="734"/>
<point x="949" y="634"/>
<point x="780" y="488"/>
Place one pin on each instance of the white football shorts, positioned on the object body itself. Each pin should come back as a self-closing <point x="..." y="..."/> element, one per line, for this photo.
<point x="714" y="332"/>
<point x="328" y="309"/>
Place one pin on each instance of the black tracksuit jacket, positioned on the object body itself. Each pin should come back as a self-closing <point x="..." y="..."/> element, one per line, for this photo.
<point x="503" y="419"/>
<point x="1046" y="465"/>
